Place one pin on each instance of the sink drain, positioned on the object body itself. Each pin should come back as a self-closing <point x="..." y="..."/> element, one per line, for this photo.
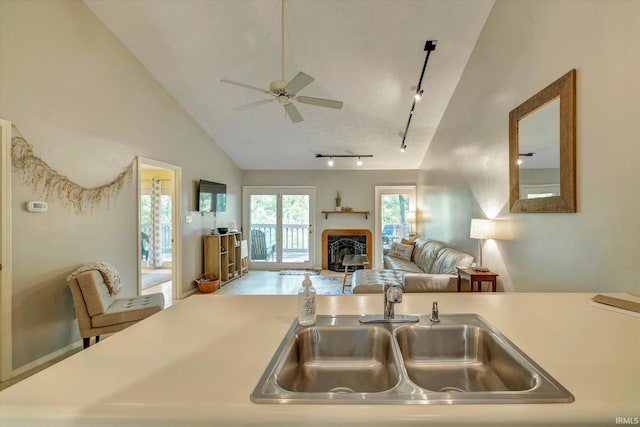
<point x="446" y="389"/>
<point x="341" y="390"/>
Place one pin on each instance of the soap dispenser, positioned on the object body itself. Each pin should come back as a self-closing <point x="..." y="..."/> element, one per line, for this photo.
<point x="307" y="302"/>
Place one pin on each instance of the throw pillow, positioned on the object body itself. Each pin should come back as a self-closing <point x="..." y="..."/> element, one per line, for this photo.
<point x="401" y="251"/>
<point x="408" y="242"/>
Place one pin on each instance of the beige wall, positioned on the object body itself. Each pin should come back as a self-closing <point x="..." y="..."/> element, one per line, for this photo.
<point x="88" y="108"/>
<point x="525" y="46"/>
<point x="357" y="188"/>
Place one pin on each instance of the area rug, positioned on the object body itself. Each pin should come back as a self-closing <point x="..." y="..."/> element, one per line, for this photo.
<point x="331" y="285"/>
<point x="299" y="272"/>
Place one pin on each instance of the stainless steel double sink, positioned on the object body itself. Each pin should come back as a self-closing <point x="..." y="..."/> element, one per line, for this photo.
<point x="461" y="359"/>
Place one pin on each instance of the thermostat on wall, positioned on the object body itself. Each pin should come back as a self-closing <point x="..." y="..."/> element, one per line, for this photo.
<point x="37" y="206"/>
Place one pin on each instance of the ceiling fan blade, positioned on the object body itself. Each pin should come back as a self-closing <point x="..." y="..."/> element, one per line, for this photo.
<point x="253" y="104"/>
<point x="293" y="113"/>
<point x="245" y="85"/>
<point x="320" y="102"/>
<point x="299" y="82"/>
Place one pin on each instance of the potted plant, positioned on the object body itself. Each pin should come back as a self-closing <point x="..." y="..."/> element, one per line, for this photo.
<point x="338" y="202"/>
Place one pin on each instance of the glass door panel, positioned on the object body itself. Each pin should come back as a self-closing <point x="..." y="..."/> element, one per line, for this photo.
<point x="394" y="218"/>
<point x="263" y="222"/>
<point x="295" y="228"/>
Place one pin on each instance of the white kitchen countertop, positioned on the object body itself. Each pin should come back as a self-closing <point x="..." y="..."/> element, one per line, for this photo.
<point x="197" y="363"/>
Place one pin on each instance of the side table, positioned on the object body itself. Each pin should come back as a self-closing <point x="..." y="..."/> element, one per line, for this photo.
<point x="476" y="277"/>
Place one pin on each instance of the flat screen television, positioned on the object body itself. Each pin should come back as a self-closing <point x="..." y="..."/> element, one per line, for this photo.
<point x="212" y="196"/>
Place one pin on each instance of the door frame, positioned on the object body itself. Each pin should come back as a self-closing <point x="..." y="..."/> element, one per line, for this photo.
<point x="176" y="224"/>
<point x="6" y="323"/>
<point x="247" y="191"/>
<point x="388" y="189"/>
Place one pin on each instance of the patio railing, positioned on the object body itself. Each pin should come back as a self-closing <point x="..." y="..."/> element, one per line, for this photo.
<point x="295" y="237"/>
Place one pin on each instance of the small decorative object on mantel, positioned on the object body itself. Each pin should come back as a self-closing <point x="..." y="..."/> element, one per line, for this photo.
<point x="338" y="202"/>
<point x="347" y="209"/>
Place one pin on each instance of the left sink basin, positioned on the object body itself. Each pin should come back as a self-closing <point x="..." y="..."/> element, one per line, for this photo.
<point x="330" y="359"/>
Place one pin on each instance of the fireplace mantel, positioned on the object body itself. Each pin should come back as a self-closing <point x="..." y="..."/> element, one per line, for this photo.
<point x="365" y="213"/>
<point x="344" y="232"/>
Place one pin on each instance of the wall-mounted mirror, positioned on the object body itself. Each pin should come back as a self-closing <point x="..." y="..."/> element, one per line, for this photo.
<point x="542" y="150"/>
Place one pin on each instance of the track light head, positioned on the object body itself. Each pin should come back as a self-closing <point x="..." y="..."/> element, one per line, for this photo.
<point x="359" y="162"/>
<point x="330" y="162"/>
<point x="418" y="95"/>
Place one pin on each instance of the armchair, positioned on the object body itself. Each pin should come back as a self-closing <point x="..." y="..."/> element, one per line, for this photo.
<point x="97" y="309"/>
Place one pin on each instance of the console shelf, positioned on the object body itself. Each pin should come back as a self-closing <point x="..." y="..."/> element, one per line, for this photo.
<point x="365" y="213"/>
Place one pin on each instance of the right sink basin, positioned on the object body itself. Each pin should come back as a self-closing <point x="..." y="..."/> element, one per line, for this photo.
<point x="462" y="358"/>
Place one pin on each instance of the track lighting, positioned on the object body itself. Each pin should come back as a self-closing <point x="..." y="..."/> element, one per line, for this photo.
<point x="349" y="156"/>
<point x="429" y="47"/>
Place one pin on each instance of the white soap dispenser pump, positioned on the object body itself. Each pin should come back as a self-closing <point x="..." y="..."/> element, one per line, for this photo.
<point x="307" y="302"/>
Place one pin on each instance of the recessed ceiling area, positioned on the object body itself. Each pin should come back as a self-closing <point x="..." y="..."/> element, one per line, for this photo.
<point x="367" y="54"/>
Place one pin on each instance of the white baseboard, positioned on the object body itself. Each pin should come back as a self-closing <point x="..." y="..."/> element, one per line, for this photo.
<point x="46" y="358"/>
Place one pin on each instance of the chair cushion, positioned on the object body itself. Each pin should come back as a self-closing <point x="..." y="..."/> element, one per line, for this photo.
<point x="129" y="309"/>
<point x="448" y="259"/>
<point x="95" y="292"/>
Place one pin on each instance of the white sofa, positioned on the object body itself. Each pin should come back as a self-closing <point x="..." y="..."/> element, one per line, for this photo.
<point x="432" y="268"/>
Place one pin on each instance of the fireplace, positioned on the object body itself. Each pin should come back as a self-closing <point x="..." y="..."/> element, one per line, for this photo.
<point x="337" y="243"/>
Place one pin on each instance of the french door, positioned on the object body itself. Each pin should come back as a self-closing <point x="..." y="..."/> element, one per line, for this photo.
<point x="395" y="217"/>
<point x="278" y="226"/>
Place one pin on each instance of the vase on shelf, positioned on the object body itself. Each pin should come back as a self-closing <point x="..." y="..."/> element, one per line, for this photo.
<point x="338" y="202"/>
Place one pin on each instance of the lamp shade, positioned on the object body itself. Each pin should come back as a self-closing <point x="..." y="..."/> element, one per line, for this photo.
<point x="482" y="229"/>
<point x="411" y="217"/>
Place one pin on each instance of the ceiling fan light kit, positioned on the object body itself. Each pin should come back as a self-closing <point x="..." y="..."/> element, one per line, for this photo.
<point x="286" y="92"/>
<point x="429" y="47"/>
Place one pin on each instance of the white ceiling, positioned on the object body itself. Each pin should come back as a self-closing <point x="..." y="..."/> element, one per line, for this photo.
<point x="366" y="53"/>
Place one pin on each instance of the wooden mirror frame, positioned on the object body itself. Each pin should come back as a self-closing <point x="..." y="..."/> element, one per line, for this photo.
<point x="565" y="89"/>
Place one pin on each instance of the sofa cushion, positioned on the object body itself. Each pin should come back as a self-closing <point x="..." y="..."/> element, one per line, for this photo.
<point x="448" y="259"/>
<point x="402" y="265"/>
<point x="413" y="282"/>
<point x="373" y="281"/>
<point x="425" y="253"/>
<point x="129" y="309"/>
<point x="401" y="251"/>
<point x="95" y="292"/>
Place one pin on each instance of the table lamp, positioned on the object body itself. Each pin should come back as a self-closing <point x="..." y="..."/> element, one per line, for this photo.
<point x="481" y="229"/>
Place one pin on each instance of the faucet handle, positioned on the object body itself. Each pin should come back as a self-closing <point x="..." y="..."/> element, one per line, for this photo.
<point x="435" y="315"/>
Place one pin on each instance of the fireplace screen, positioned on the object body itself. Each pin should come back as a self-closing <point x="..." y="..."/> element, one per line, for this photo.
<point x="339" y="246"/>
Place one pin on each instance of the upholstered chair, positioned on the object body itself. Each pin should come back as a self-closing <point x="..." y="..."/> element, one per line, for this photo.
<point x="98" y="311"/>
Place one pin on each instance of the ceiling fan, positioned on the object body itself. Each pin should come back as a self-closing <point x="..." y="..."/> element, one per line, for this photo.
<point x="285" y="92"/>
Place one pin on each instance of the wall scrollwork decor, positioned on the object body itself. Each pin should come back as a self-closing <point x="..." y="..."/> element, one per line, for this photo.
<point x="47" y="181"/>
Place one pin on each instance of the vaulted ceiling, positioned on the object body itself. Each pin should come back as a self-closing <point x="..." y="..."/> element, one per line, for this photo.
<point x="367" y="53"/>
